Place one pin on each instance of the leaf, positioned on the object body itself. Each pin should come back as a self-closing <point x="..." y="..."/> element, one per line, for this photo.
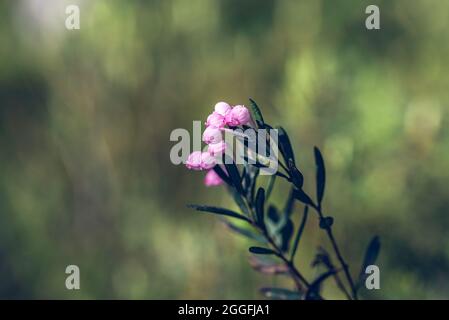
<point x="289" y="205"/>
<point x="296" y="176"/>
<point x="326" y="222"/>
<point x="285" y="145"/>
<point x="271" y="185"/>
<point x="252" y="189"/>
<point x="234" y="173"/>
<point x="273" y="214"/>
<point x="260" y="250"/>
<point x="286" y="232"/>
<point x="218" y="170"/>
<point x="238" y="198"/>
<point x="320" y="175"/>
<point x="371" y="254"/>
<point x="260" y="201"/>
<point x="264" y="265"/>
<point x="280" y="294"/>
<point x="314" y="288"/>
<point x="256" y="113"/>
<point x="244" y="232"/>
<point x="300" y="231"/>
<point x="303" y="197"/>
<point x="220" y="211"/>
<point x="322" y="258"/>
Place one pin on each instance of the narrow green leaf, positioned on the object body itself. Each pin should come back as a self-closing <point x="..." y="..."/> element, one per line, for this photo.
<point x="217" y="210"/>
<point x="296" y="175"/>
<point x="320" y="175"/>
<point x="244" y="232"/>
<point x="267" y="264"/>
<point x="280" y="294"/>
<point x="238" y="199"/>
<point x="286" y="235"/>
<point x="260" y="250"/>
<point x="234" y="174"/>
<point x="256" y="113"/>
<point x="285" y="145"/>
<point x="300" y="231"/>
<point x="273" y="214"/>
<point x="371" y="255"/>
<point x="271" y="185"/>
<point x="252" y="190"/>
<point x="303" y="197"/>
<point x="260" y="202"/>
<point x="289" y="205"/>
<point x="218" y="170"/>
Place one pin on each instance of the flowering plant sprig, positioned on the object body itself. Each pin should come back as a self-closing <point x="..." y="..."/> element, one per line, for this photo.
<point x="271" y="227"/>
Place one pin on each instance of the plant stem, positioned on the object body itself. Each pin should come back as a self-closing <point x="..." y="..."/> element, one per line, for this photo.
<point x="298" y="278"/>
<point x="340" y="258"/>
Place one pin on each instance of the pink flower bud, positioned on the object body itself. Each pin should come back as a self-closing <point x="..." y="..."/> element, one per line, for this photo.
<point x="207" y="161"/>
<point x="212" y="135"/>
<point x="212" y="179"/>
<point x="222" y="108"/>
<point x="239" y="115"/>
<point x="215" y="120"/>
<point x="194" y="161"/>
<point x="216" y="148"/>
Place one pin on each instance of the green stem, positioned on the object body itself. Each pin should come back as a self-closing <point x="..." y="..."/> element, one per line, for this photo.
<point x="337" y="251"/>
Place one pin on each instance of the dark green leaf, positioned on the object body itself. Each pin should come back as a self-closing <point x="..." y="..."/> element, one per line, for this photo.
<point x="370" y="256"/>
<point x="259" y="250"/>
<point x="217" y="210"/>
<point x="218" y="170"/>
<point x="238" y="198"/>
<point x="285" y="145"/>
<point x="260" y="202"/>
<point x="314" y="289"/>
<point x="296" y="176"/>
<point x="254" y="176"/>
<point x="320" y="175"/>
<point x="280" y="294"/>
<point x="244" y="232"/>
<point x="233" y="173"/>
<point x="273" y="214"/>
<point x="289" y="205"/>
<point x="267" y="265"/>
<point x="303" y="197"/>
<point x="322" y="258"/>
<point x="286" y="232"/>
<point x="271" y="185"/>
<point x="256" y="113"/>
<point x="326" y="222"/>
<point x="300" y="231"/>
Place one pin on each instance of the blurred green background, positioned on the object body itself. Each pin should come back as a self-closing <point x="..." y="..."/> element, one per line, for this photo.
<point x="86" y="115"/>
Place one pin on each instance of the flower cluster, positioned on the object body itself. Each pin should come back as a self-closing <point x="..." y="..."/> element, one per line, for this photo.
<point x="273" y="227"/>
<point x="223" y="116"/>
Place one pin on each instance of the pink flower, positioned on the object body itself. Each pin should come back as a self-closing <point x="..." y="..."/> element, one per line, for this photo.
<point x="212" y="179"/>
<point x="216" y="148"/>
<point x="198" y="160"/>
<point x="222" y="108"/>
<point x="239" y="115"/>
<point x="215" y="120"/>
<point x="194" y="161"/>
<point x="212" y="135"/>
<point x="207" y="161"/>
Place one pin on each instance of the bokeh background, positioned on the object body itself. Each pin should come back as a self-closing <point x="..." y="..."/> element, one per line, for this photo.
<point x="86" y="115"/>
